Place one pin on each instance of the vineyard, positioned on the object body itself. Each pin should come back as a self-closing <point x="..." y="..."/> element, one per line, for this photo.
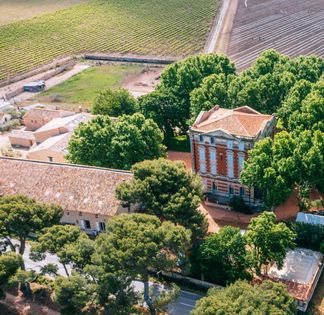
<point x="142" y="27"/>
<point x="292" y="27"/>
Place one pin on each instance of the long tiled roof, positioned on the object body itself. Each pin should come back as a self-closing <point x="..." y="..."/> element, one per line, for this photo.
<point x="45" y="113"/>
<point x="242" y="121"/>
<point x="74" y="187"/>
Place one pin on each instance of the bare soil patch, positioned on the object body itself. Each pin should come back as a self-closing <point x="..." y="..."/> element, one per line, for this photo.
<point x="144" y="82"/>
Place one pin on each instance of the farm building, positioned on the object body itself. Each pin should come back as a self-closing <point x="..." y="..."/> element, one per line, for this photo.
<point x="21" y="138"/>
<point x="60" y="125"/>
<point x="87" y="194"/>
<point x="36" y="86"/>
<point x="38" y="117"/>
<point x="301" y="272"/>
<point x="53" y="149"/>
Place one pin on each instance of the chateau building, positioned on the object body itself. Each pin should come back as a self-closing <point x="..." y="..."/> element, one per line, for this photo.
<point x="220" y="140"/>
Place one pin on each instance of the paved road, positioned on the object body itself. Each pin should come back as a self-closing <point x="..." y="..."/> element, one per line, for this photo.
<point x="182" y="306"/>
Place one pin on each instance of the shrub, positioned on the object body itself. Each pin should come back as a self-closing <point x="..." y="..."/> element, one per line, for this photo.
<point x="308" y="235"/>
<point x="238" y="204"/>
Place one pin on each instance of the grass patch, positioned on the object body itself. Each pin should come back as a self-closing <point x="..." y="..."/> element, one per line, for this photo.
<point x="142" y="27"/>
<point x="84" y="87"/>
<point x="179" y="144"/>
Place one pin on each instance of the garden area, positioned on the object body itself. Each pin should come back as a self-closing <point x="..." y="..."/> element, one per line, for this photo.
<point x="84" y="87"/>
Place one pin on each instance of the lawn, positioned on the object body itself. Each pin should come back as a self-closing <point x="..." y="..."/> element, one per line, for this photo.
<point x="142" y="27"/>
<point x="83" y="88"/>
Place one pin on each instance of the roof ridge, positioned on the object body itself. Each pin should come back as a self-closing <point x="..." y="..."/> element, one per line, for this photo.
<point x="242" y="126"/>
<point x="106" y="169"/>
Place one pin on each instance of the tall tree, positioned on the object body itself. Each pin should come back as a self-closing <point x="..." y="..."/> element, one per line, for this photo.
<point x="20" y="216"/>
<point x="223" y="256"/>
<point x="243" y="298"/>
<point x="114" y="103"/>
<point x="138" y="243"/>
<point x="117" y="145"/>
<point x="271" y="168"/>
<point x="54" y="240"/>
<point x="268" y="241"/>
<point x="212" y="91"/>
<point x="167" y="190"/>
<point x="165" y="110"/>
<point x="182" y="77"/>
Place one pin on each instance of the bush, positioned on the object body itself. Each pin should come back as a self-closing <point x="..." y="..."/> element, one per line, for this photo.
<point x="10" y="125"/>
<point x="238" y="204"/>
<point x="179" y="144"/>
<point x="308" y="235"/>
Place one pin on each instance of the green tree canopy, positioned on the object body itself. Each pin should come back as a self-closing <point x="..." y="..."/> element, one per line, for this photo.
<point x="268" y="241"/>
<point x="167" y="190"/>
<point x="243" y="298"/>
<point x="223" y="256"/>
<point x="20" y="216"/>
<point x="9" y="264"/>
<point x="180" y="78"/>
<point x="54" y="240"/>
<point x="165" y="110"/>
<point x="114" y="103"/>
<point x="271" y="168"/>
<point x="117" y="145"/>
<point x="264" y="86"/>
<point x="73" y="293"/>
<point x="277" y="166"/>
<point x="137" y="243"/>
<point x="212" y="91"/>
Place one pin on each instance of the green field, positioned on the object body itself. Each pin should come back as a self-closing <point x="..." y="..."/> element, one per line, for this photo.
<point x="141" y="27"/>
<point x="84" y="87"/>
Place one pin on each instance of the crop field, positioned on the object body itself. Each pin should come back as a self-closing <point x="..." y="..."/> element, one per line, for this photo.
<point x="15" y="10"/>
<point x="173" y="28"/>
<point x="85" y="86"/>
<point x="293" y="27"/>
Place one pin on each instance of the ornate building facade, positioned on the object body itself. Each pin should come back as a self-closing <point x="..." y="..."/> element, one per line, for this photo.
<point x="220" y="140"/>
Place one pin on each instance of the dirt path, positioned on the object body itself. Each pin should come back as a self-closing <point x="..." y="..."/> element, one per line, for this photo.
<point x="219" y="37"/>
<point x="225" y="31"/>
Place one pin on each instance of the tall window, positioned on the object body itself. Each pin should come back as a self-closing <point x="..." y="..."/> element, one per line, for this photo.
<point x="213" y="164"/>
<point x="230" y="164"/>
<point x="201" y="138"/>
<point x="202" y="159"/>
<point x="240" y="162"/>
<point x="230" y="190"/>
<point x="241" y="146"/>
<point x="242" y="191"/>
<point x="229" y="144"/>
<point x="214" y="188"/>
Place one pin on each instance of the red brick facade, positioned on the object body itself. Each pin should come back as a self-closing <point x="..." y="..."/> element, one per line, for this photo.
<point x="230" y="134"/>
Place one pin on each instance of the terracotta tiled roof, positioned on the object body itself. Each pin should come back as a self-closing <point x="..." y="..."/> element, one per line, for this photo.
<point x="74" y="187"/>
<point x="47" y="114"/>
<point x="23" y="134"/>
<point x="242" y="121"/>
<point x="69" y="122"/>
<point x="56" y="143"/>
